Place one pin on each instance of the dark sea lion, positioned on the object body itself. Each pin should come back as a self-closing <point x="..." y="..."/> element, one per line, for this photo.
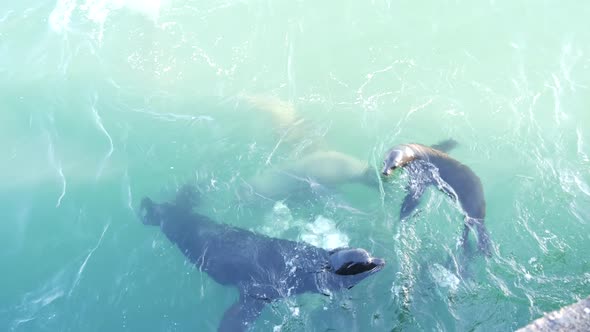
<point x="263" y="269"/>
<point x="430" y="166"/>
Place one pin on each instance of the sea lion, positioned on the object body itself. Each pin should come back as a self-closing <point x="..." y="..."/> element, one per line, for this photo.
<point x="263" y="269"/>
<point x="313" y="167"/>
<point x="430" y="166"/>
<point x="317" y="172"/>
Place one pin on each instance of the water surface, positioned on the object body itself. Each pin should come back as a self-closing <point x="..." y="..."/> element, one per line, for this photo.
<point x="104" y="102"/>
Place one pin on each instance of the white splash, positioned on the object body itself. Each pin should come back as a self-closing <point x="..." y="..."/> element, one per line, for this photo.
<point x="98" y="11"/>
<point x="60" y="16"/>
<point x="324" y="234"/>
<point x="443" y="277"/>
<point x="280" y="221"/>
<point x="321" y="233"/>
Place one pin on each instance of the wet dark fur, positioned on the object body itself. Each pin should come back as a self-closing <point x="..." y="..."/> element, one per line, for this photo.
<point x="429" y="166"/>
<point x="262" y="268"/>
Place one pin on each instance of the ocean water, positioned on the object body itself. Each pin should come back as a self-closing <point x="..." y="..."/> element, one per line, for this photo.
<point x="103" y="102"/>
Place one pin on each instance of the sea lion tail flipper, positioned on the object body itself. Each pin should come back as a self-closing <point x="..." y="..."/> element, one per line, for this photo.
<point x="411" y="200"/>
<point x="241" y="315"/>
<point x="149" y="212"/>
<point x="445" y="146"/>
<point x="483" y="237"/>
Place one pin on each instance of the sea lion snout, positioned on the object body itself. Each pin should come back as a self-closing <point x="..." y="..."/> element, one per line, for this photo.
<point x="378" y="261"/>
<point x="398" y="156"/>
<point x="393" y="159"/>
<point x="376" y="264"/>
<point x="386" y="171"/>
<point x="389" y="165"/>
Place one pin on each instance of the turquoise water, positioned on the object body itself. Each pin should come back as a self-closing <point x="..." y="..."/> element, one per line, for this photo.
<point x="104" y="102"/>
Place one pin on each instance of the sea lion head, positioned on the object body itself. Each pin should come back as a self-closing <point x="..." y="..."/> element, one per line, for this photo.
<point x="150" y="213"/>
<point x="354" y="261"/>
<point x="157" y="214"/>
<point x="398" y="156"/>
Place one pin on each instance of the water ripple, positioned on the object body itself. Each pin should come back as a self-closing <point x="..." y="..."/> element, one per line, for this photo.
<point x="81" y="269"/>
<point x="99" y="124"/>
<point x="56" y="163"/>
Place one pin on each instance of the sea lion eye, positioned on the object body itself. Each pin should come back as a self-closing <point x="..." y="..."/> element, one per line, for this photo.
<point x="353" y="268"/>
<point x="346" y="269"/>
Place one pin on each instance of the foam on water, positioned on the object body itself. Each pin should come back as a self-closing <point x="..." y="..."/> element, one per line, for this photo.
<point x="279" y="221"/>
<point x="60" y="17"/>
<point x="98" y="11"/>
<point x="443" y="277"/>
<point x="322" y="232"/>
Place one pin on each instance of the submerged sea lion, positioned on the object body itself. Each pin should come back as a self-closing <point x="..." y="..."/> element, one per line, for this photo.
<point x="313" y="168"/>
<point x="263" y="269"/>
<point x="315" y="172"/>
<point x="282" y="112"/>
<point x="430" y="166"/>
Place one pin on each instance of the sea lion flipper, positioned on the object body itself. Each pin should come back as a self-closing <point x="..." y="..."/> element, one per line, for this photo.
<point x="445" y="146"/>
<point x="411" y="200"/>
<point x="483" y="237"/>
<point x="242" y="314"/>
